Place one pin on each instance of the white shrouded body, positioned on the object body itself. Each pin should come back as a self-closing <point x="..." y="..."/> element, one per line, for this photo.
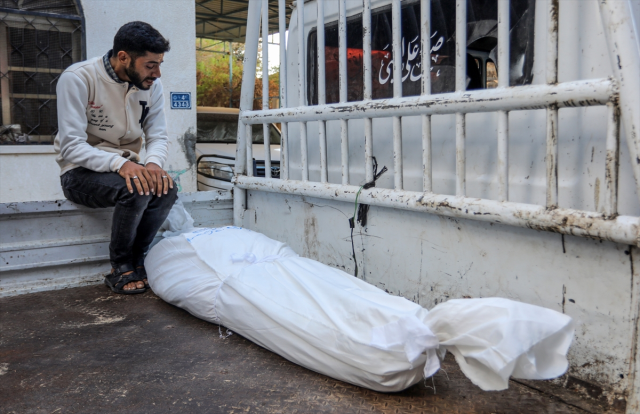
<point x="333" y="323"/>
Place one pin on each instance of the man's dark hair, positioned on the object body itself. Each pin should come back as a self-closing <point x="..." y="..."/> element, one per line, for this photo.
<point x="138" y="38"/>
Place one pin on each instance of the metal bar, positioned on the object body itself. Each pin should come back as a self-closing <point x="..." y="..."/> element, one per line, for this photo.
<point x="230" y="76"/>
<point x="368" y="149"/>
<point x="249" y="138"/>
<point x="342" y="50"/>
<point x="210" y="51"/>
<point x="552" y="111"/>
<point x="396" y="28"/>
<point x="612" y="160"/>
<point x="344" y="150"/>
<point x="5" y="89"/>
<point x="32" y="96"/>
<point x="41" y="14"/>
<point x="461" y="86"/>
<point x="622" y="39"/>
<point x="322" y="91"/>
<point x="284" y="151"/>
<point x="622" y="229"/>
<point x="397" y="153"/>
<point x="303" y="151"/>
<point x="633" y="376"/>
<point x="221" y="19"/>
<point x="322" y="138"/>
<point x="342" y="69"/>
<point x="503" y="156"/>
<point x="265" y="87"/>
<point x="461" y="45"/>
<point x="617" y="20"/>
<point x="36" y="70"/>
<point x="366" y="51"/>
<point x="302" y="90"/>
<point x="503" y="116"/>
<point x="552" y="157"/>
<point x="427" y="174"/>
<point x="461" y="184"/>
<point x="425" y="37"/>
<point x="565" y="95"/>
<point x="284" y="128"/>
<point x="243" y="148"/>
<point x="368" y="89"/>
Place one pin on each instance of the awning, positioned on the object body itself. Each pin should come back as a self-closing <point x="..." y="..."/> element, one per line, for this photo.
<point x="226" y="20"/>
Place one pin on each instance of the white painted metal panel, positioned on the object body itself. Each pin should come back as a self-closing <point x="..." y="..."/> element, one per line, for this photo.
<point x="543" y="156"/>
<point x="430" y="259"/>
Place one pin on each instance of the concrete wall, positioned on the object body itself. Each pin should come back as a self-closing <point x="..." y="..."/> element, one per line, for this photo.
<point x="29" y="173"/>
<point x="33" y="176"/>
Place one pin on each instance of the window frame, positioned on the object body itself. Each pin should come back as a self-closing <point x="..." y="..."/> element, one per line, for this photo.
<point x="6" y="105"/>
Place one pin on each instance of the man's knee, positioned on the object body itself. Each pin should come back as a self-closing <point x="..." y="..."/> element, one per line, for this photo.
<point x="135" y="199"/>
<point x="172" y="194"/>
<point x="170" y="198"/>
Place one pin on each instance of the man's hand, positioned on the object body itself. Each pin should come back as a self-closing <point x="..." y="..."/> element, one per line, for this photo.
<point x="139" y="175"/>
<point x="160" y="179"/>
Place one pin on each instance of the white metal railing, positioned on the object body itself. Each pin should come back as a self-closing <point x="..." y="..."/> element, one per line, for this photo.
<point x="621" y="95"/>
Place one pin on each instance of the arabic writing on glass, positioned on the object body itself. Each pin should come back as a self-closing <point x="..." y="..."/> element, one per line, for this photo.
<point x="409" y="61"/>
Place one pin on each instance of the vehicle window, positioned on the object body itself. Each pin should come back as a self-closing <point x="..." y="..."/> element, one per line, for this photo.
<point x="217" y="131"/>
<point x="354" y="62"/>
<point x="225" y="132"/>
<point x="481" y="40"/>
<point x="258" y="135"/>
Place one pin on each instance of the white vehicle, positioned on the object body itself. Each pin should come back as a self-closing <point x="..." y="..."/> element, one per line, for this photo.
<point x="216" y="148"/>
<point x="522" y="185"/>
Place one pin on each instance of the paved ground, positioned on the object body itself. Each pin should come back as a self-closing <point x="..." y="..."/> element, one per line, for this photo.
<point x="87" y="350"/>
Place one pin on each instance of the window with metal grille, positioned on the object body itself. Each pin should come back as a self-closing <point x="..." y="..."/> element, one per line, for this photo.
<point x="482" y="48"/>
<point x="39" y="39"/>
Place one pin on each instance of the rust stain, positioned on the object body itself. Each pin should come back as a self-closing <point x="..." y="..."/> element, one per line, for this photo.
<point x="311" y="243"/>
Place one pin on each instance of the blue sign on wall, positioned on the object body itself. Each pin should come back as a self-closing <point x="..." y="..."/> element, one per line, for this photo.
<point x="180" y="100"/>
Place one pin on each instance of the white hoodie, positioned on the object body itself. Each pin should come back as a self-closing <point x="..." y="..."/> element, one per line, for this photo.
<point x="101" y="121"/>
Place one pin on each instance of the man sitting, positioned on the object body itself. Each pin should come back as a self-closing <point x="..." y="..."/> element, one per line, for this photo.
<point x="105" y="105"/>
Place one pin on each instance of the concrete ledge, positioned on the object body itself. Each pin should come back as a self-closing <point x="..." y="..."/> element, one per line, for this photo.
<point x="47" y="245"/>
<point x="26" y="149"/>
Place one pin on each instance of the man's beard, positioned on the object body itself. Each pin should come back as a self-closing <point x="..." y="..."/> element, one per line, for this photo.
<point x="135" y="78"/>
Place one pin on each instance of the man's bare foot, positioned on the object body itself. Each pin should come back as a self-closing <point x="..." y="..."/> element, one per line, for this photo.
<point x="131" y="285"/>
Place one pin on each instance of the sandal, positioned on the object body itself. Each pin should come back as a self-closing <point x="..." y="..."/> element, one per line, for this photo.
<point x="117" y="281"/>
<point x="142" y="272"/>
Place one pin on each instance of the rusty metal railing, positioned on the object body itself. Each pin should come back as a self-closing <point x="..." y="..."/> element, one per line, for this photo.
<point x="621" y="95"/>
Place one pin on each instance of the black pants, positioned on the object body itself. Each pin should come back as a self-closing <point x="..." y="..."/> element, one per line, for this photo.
<point x="136" y="218"/>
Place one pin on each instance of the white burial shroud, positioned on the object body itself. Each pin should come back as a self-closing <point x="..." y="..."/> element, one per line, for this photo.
<point x="331" y="322"/>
